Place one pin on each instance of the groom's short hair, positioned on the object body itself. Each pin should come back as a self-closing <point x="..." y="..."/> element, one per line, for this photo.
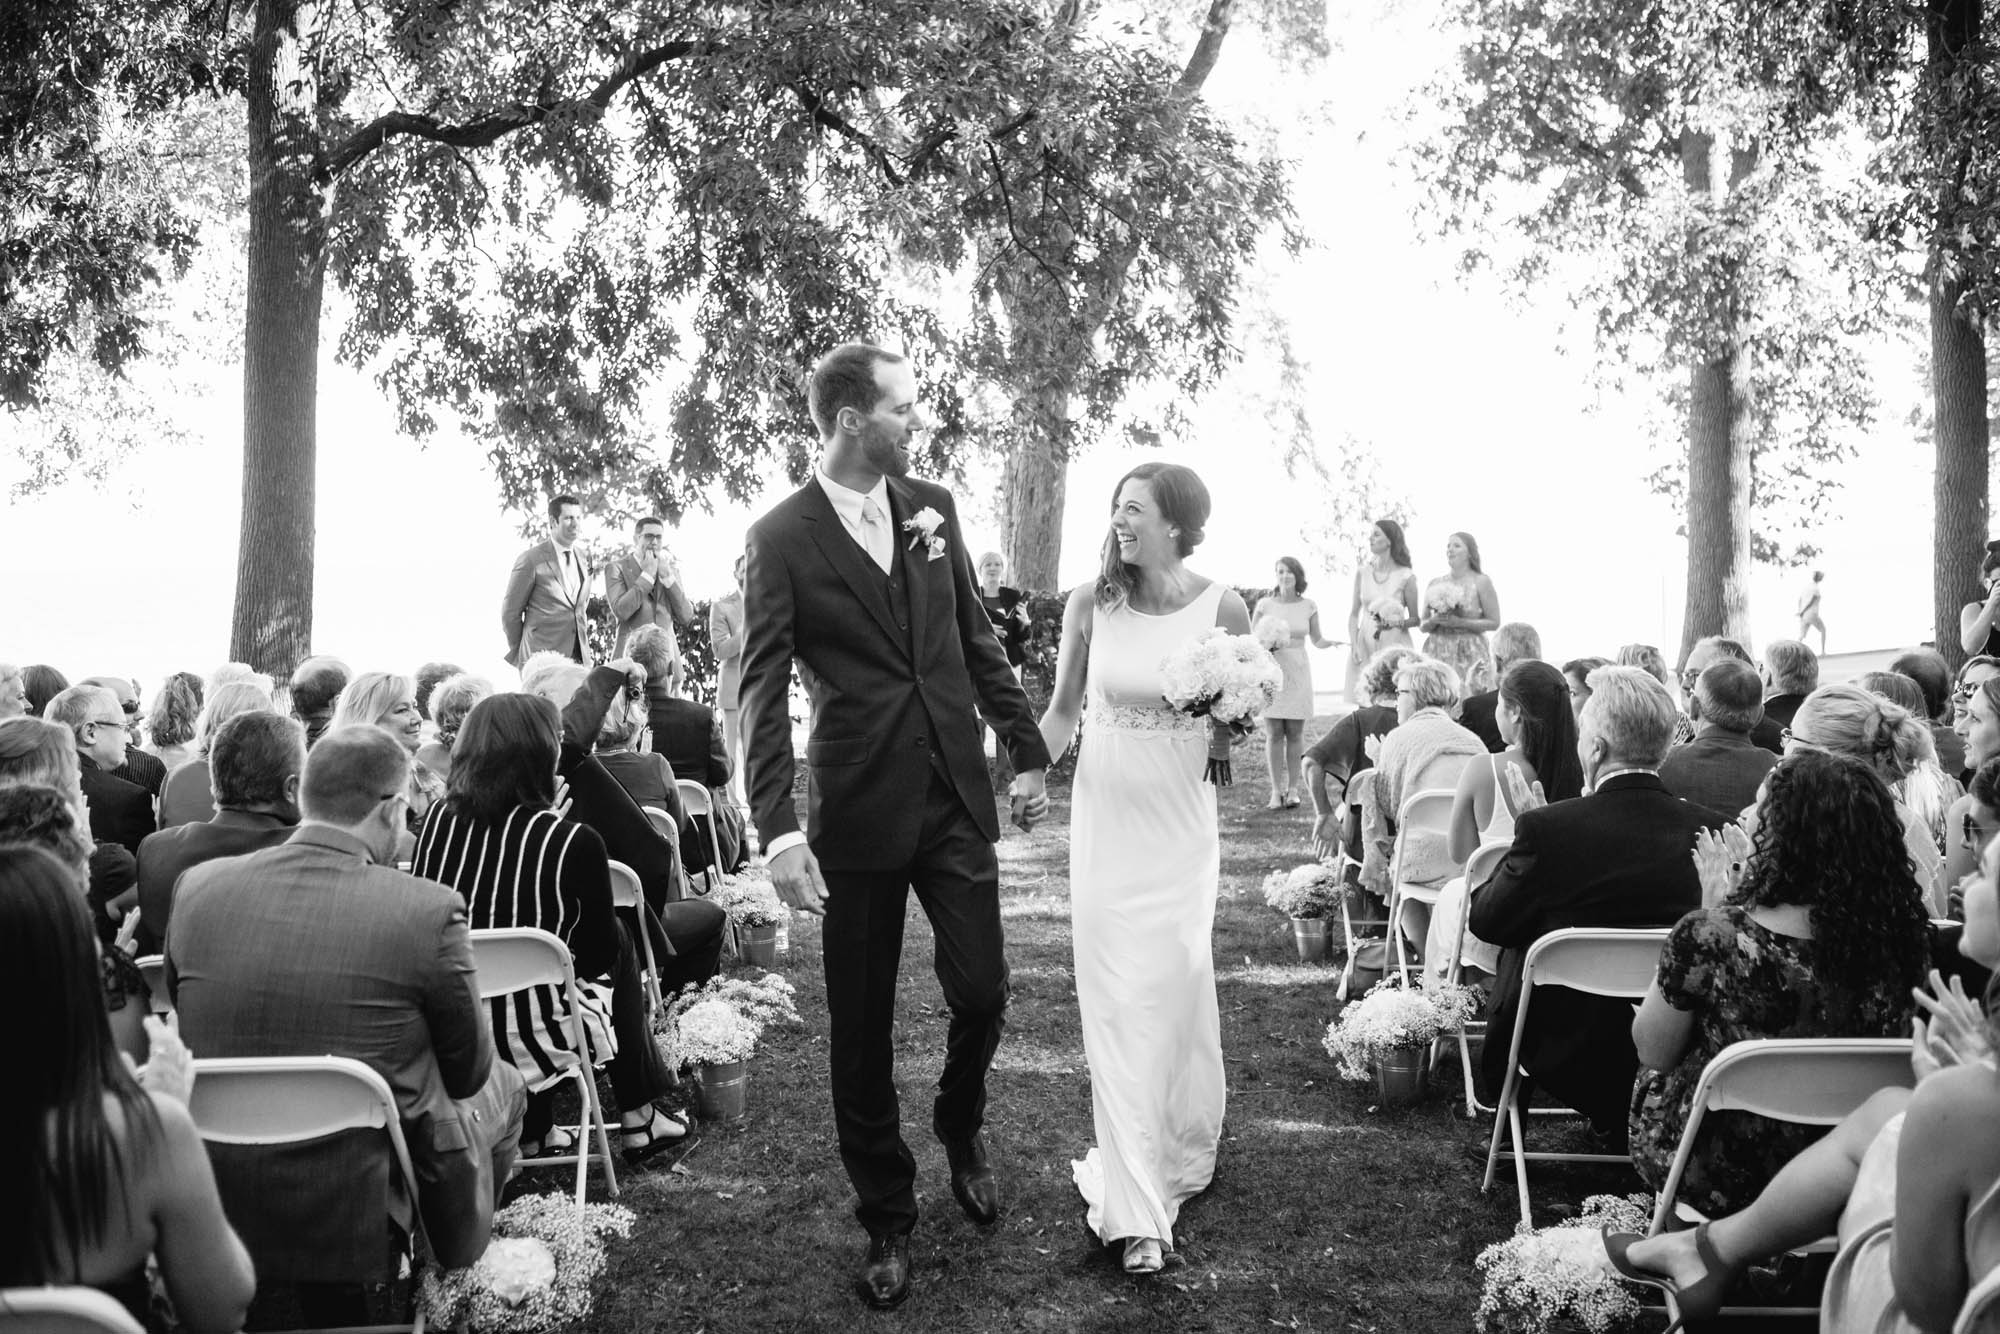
<point x="845" y="378"/>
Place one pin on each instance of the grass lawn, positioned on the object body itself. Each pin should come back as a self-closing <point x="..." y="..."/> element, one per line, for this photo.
<point x="1325" y="1214"/>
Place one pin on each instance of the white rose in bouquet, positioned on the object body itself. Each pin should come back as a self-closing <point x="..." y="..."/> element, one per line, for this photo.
<point x="1388" y="613"/>
<point x="1443" y="598"/>
<point x="1271" y="632"/>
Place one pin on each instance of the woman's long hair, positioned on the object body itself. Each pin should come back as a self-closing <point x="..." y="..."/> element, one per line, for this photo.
<point x="62" y="1169"/>
<point x="1399" y="545"/>
<point x="1471" y="551"/>
<point x="1828" y="839"/>
<point x="1539" y="696"/>
<point x="176" y="709"/>
<point x="1183" y="500"/>
<point x="505" y="757"/>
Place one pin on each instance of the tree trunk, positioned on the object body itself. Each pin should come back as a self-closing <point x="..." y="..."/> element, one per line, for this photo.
<point x="1033" y="488"/>
<point x="1958" y="377"/>
<point x="1719" y="428"/>
<point x="272" y="627"/>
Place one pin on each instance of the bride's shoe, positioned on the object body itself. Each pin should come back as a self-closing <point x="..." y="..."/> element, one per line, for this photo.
<point x="1142" y="1255"/>
<point x="1277" y="802"/>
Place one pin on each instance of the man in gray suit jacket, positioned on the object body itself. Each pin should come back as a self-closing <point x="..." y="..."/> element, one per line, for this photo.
<point x="320" y="947"/>
<point x="644" y="587"/>
<point x="543" y="607"/>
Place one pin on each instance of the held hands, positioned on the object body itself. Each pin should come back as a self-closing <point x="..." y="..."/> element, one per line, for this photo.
<point x="169" y="1066"/>
<point x="1030" y="798"/>
<point x="1718" y="860"/>
<point x="795" y="875"/>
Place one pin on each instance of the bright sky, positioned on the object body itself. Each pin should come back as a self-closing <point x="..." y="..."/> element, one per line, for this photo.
<point x="1474" y="412"/>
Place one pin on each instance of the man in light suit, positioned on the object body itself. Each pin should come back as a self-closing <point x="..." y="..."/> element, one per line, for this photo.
<point x="644" y="587"/>
<point x="320" y="947"/>
<point x="543" y="608"/>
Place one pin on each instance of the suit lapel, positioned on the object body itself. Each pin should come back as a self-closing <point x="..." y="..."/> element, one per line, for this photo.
<point x="916" y="560"/>
<point x="849" y="561"/>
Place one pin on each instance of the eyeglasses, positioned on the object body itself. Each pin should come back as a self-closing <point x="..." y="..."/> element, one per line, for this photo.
<point x="1969" y="833"/>
<point x="131" y="707"/>
<point x="118" y="723"/>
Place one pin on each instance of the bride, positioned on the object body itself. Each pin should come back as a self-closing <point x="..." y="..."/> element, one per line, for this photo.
<point x="1144" y="859"/>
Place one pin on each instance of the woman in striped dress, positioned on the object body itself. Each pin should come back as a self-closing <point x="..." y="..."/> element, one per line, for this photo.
<point x="497" y="839"/>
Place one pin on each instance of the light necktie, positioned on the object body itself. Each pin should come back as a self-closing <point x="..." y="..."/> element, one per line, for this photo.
<point x="875" y="533"/>
<point x="569" y="574"/>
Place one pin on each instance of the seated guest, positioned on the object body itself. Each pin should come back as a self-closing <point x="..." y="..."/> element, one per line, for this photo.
<point x="645" y="775"/>
<point x="1889" y="739"/>
<point x="120" y="812"/>
<point x="42" y="684"/>
<point x="1932" y="675"/>
<point x="1722" y="768"/>
<point x="1718" y="648"/>
<point x="1910" y="1180"/>
<point x="429" y="677"/>
<point x="320" y="946"/>
<point x="316" y="686"/>
<point x="1516" y="641"/>
<point x="170" y="726"/>
<point x="388" y="701"/>
<point x="1576" y="673"/>
<point x="1615" y="858"/>
<point x="1929" y="790"/>
<point x="1333" y="761"/>
<point x="449" y="703"/>
<point x="1425" y="750"/>
<point x="188" y="797"/>
<point x="1975" y="673"/>
<point x="1651" y="661"/>
<point x="255" y="762"/>
<point x="1971" y="825"/>
<point x="106" y="1172"/>
<point x="13" y="694"/>
<point x="37" y="753"/>
<point x="45" y="818"/>
<point x="139" y="767"/>
<point x="233" y="673"/>
<point x="1534" y="718"/>
<point x="1791" y="672"/>
<point x="496" y="840"/>
<point x="1824" y="936"/>
<point x="689" y="736"/>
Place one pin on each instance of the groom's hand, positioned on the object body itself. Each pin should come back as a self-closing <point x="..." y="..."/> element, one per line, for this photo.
<point x="795" y="873"/>
<point x="1030" y="798"/>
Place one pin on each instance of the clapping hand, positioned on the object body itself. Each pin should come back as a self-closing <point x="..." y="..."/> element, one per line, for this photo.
<point x="1956" y="1031"/>
<point x="560" y="805"/>
<point x="128" y="931"/>
<point x="1526" y="796"/>
<point x="1718" y="860"/>
<point x="1371" y="746"/>
<point x="169" y="1066"/>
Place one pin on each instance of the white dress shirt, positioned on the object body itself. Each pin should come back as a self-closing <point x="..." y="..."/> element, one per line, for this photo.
<point x="876" y="538"/>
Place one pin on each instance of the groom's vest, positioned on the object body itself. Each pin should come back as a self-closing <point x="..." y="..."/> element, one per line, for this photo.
<point x="896" y="582"/>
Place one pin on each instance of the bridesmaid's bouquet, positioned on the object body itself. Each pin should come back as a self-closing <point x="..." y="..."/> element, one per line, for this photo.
<point x="1227" y="678"/>
<point x="1387" y="613"/>
<point x="1443" y="598"/>
<point x="1271" y="632"/>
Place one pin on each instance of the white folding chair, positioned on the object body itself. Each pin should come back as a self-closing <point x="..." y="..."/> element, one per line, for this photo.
<point x="697" y="800"/>
<point x="1479" y="868"/>
<point x="1599" y="961"/>
<point x="663" y="825"/>
<point x="1807" y="1081"/>
<point x="64" y="1311"/>
<point x="1428" y="811"/>
<point x="153" y="967"/>
<point x="1980" y="1312"/>
<point x="626" y="892"/>
<point x="512" y="959"/>
<point x="285" y="1099"/>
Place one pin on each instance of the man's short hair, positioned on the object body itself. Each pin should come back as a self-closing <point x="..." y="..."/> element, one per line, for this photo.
<point x="551" y="674"/>
<point x="1932" y="674"/>
<point x="1517" y="641"/>
<point x="1633" y="712"/>
<point x="1794" y="667"/>
<point x="317" y="683"/>
<point x="349" y="772"/>
<point x="1731" y="695"/>
<point x="428" y="677"/>
<point x="1727" y="647"/>
<point x="845" y="378"/>
<point x="644" y="523"/>
<point x="75" y="707"/>
<point x="1432" y="684"/>
<point x="252" y="755"/>
<point x="556" y="506"/>
<point x="653" y="648"/>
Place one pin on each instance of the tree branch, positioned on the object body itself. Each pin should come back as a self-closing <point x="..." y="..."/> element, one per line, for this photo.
<point x="487" y="130"/>
<point x="1014" y="228"/>
<point x="833" y="120"/>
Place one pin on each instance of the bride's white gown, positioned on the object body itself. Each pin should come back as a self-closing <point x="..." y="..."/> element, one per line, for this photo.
<point x="1144" y="859"/>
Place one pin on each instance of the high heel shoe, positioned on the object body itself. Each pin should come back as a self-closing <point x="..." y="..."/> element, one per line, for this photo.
<point x="1698" y="1303"/>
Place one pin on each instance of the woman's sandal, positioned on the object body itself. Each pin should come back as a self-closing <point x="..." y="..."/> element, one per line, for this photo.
<point x="1699" y="1303"/>
<point x="1142" y="1255"/>
<point x="555" y="1144"/>
<point x="665" y="1130"/>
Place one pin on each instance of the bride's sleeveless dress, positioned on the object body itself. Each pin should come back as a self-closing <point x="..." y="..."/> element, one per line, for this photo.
<point x="1144" y="859"/>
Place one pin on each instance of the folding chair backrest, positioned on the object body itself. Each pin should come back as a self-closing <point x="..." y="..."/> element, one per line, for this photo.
<point x="695" y="798"/>
<point x="1810" y="1081"/>
<point x="662" y="822"/>
<point x="512" y="959"/>
<point x="625" y="888"/>
<point x="1483" y="862"/>
<point x="1600" y="960"/>
<point x="282" y="1099"/>
<point x="153" y="967"/>
<point x="1980" y="1313"/>
<point x="1427" y="809"/>
<point x="64" y="1311"/>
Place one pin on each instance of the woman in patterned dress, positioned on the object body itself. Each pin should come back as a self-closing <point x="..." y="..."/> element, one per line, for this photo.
<point x="1459" y="609"/>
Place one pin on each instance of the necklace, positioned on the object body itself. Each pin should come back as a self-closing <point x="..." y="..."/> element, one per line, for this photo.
<point x="1375" y="573"/>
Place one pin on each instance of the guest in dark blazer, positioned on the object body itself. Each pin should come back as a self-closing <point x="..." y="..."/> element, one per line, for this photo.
<point x="320" y="946"/>
<point x="255" y="762"/>
<point x="137" y="767"/>
<point x="547" y="591"/>
<point x="1715" y="648"/>
<point x="35" y="752"/>
<point x="1516" y="641"/>
<point x="1621" y="856"/>
<point x="689" y="737"/>
<point x="120" y="812"/>
<point x="1722" y="768"/>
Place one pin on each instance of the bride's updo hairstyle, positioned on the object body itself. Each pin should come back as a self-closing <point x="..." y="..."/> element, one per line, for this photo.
<point x="1848" y="720"/>
<point x="1183" y="500"/>
<point x="1538" y="693"/>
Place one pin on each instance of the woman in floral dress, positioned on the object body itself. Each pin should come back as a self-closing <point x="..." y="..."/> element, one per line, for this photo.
<point x="1459" y="609"/>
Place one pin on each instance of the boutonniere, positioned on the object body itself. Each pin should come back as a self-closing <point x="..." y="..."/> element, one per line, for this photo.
<point x="923" y="527"/>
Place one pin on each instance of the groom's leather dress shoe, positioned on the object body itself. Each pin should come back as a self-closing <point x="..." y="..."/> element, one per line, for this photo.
<point x="885" y="1275"/>
<point x="972" y="1181"/>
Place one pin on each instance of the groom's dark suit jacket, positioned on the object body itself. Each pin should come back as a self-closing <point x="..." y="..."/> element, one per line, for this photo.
<point x="897" y="682"/>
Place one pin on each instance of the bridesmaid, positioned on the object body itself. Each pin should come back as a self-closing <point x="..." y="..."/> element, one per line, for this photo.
<point x="1285" y="718"/>
<point x="1385" y="601"/>
<point x="1459" y="609"/>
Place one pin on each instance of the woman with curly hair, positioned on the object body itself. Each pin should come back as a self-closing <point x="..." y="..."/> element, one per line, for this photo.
<point x="1824" y="936"/>
<point x="170" y="726"/>
<point x="450" y="701"/>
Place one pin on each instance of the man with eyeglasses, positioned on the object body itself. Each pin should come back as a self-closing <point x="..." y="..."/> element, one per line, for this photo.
<point x="1716" y="648"/>
<point x="121" y="812"/>
<point x="139" y="767"/>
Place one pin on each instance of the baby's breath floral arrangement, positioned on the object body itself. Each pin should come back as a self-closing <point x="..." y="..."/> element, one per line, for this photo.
<point x="1312" y="890"/>
<point x="750" y="899"/>
<point x="1393" y="1017"/>
<point x="536" y="1274"/>
<point x="723" y="1020"/>
<point x="1536" y="1278"/>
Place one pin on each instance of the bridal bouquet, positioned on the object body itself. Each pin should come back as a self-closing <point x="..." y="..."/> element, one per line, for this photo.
<point x="1229" y="678"/>
<point x="1393" y="1017"/>
<point x="536" y="1273"/>
<point x="1535" y="1280"/>
<point x="1312" y="890"/>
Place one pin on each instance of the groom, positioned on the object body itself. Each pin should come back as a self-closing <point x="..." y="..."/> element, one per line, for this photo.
<point x="862" y="577"/>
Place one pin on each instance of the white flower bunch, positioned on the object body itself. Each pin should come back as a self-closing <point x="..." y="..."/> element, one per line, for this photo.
<point x="1230" y="678"/>
<point x="1393" y="1017"/>
<point x="1312" y="890"/>
<point x="724" y="1020"/>
<point x="749" y="898"/>
<point x="1443" y="597"/>
<point x="1388" y="613"/>
<point x="537" y="1273"/>
<point x="1536" y="1279"/>
<point x="1271" y="632"/>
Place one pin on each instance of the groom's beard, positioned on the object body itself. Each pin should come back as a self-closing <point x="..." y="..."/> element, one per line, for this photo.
<point x="888" y="452"/>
